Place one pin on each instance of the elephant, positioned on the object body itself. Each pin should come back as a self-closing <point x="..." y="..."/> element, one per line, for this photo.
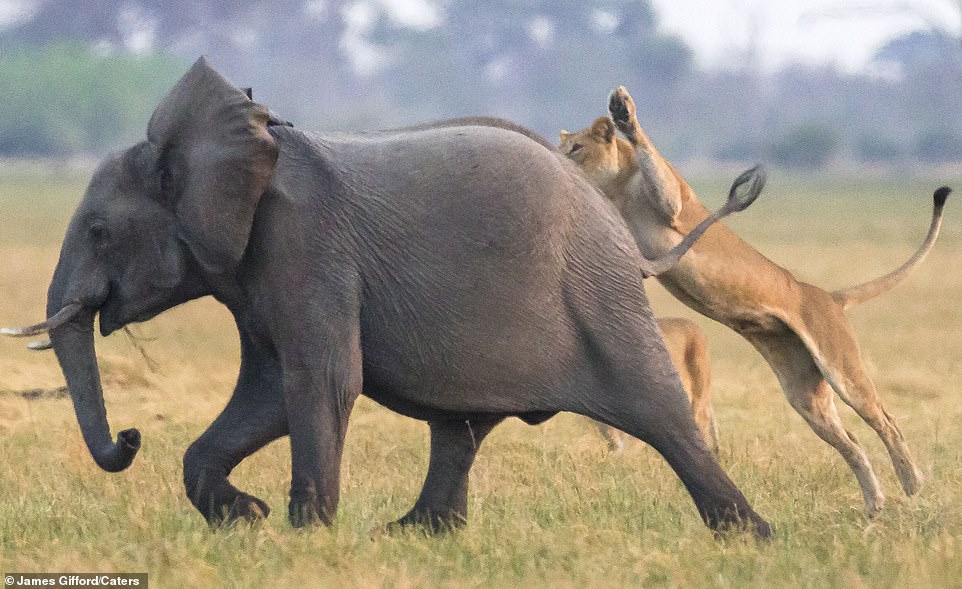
<point x="462" y="273"/>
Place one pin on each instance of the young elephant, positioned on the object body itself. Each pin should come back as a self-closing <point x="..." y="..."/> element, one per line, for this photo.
<point x="688" y="348"/>
<point x="462" y="273"/>
<point x="801" y="330"/>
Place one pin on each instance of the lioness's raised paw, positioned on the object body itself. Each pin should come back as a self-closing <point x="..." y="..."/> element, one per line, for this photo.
<point x="622" y="107"/>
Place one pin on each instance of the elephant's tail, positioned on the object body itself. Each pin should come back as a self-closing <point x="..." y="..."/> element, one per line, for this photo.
<point x="754" y="178"/>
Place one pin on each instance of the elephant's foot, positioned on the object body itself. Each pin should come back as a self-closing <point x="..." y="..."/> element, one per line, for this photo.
<point x="737" y="520"/>
<point x="220" y="502"/>
<point x="224" y="510"/>
<point x="306" y="509"/>
<point x="431" y="521"/>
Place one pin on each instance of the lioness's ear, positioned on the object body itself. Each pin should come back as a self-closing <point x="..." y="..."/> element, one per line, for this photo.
<point x="604" y="129"/>
<point x="563" y="134"/>
<point x="215" y="148"/>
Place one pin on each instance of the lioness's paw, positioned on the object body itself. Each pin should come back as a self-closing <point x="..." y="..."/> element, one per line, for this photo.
<point x="621" y="106"/>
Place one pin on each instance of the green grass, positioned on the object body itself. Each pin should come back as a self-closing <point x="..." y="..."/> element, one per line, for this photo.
<point x="548" y="505"/>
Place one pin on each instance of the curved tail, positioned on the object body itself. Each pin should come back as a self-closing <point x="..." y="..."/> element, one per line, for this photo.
<point x="857" y="294"/>
<point x="754" y="177"/>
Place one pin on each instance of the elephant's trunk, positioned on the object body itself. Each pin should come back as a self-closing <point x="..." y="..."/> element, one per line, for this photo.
<point x="73" y="343"/>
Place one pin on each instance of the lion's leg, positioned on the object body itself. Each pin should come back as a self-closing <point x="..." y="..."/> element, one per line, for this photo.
<point x="811" y="396"/>
<point x="621" y="107"/>
<point x="697" y="381"/>
<point x="817" y="406"/>
<point x="858" y="391"/>
<point x="614" y="437"/>
<point x="832" y="342"/>
<point x="688" y="348"/>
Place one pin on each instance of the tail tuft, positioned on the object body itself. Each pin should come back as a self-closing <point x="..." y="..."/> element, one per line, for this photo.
<point x="755" y="178"/>
<point x="940" y="195"/>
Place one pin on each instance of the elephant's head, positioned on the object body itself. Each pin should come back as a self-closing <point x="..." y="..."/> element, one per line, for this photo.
<point x="158" y="223"/>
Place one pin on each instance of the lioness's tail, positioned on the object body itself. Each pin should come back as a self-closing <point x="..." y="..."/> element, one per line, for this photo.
<point x="755" y="178"/>
<point x="856" y="294"/>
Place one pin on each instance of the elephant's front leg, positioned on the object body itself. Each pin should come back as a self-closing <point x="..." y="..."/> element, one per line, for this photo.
<point x="443" y="503"/>
<point x="320" y="389"/>
<point x="254" y="416"/>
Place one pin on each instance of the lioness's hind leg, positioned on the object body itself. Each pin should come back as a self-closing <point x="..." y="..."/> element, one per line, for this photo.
<point x="858" y="391"/>
<point x="817" y="406"/>
<point x="832" y="341"/>
<point x="811" y="396"/>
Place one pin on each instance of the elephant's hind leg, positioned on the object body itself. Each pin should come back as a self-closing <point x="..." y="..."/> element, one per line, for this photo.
<point x="253" y="417"/>
<point x="662" y="418"/>
<point x="443" y="502"/>
<point x="637" y="391"/>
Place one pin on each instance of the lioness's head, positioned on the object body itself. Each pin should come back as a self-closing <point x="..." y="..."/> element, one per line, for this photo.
<point x="595" y="150"/>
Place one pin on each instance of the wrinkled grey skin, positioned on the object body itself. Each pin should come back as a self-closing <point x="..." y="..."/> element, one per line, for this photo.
<point x="462" y="274"/>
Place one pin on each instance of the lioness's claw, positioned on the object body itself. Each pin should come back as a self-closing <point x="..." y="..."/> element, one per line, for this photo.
<point x="620" y="105"/>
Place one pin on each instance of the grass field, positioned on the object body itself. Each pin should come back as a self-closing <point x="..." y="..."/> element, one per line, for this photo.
<point x="549" y="506"/>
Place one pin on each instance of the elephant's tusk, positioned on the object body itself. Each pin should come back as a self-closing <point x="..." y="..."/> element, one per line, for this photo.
<point x="40" y="345"/>
<point x="62" y="316"/>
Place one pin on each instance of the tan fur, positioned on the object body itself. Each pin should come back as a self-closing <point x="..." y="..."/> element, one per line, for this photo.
<point x="688" y="348"/>
<point x="800" y="329"/>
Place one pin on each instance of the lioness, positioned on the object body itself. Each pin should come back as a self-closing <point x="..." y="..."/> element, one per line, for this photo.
<point x="800" y="330"/>
<point x="688" y="348"/>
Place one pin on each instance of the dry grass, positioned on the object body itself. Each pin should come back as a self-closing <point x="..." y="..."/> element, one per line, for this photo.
<point x="548" y="505"/>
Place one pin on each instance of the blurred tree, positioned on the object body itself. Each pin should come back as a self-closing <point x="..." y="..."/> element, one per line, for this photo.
<point x="920" y="50"/>
<point x="938" y="146"/>
<point x="876" y="148"/>
<point x="808" y="146"/>
<point x="64" y="98"/>
<point x="540" y="62"/>
<point x="348" y="64"/>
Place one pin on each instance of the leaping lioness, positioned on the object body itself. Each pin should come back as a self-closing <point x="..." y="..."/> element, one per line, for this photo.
<point x="800" y="329"/>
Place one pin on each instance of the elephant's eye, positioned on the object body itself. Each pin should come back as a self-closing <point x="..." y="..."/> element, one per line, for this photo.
<point x="165" y="181"/>
<point x="98" y="232"/>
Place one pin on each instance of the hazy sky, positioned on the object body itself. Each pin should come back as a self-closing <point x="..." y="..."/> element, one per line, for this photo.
<point x="844" y="33"/>
<point x="812" y="31"/>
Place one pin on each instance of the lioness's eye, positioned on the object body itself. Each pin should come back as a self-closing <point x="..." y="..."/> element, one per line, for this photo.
<point x="575" y="147"/>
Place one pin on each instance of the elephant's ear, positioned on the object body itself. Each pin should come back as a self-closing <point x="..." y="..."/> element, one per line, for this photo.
<point x="216" y="160"/>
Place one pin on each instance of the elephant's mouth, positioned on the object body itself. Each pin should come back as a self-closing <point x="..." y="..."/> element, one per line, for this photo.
<point x="109" y="322"/>
<point x="114" y="315"/>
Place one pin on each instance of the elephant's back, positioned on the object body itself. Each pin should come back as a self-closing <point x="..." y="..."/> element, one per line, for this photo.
<point x="465" y="239"/>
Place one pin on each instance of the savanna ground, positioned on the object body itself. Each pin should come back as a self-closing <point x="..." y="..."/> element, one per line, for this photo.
<point x="548" y="505"/>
